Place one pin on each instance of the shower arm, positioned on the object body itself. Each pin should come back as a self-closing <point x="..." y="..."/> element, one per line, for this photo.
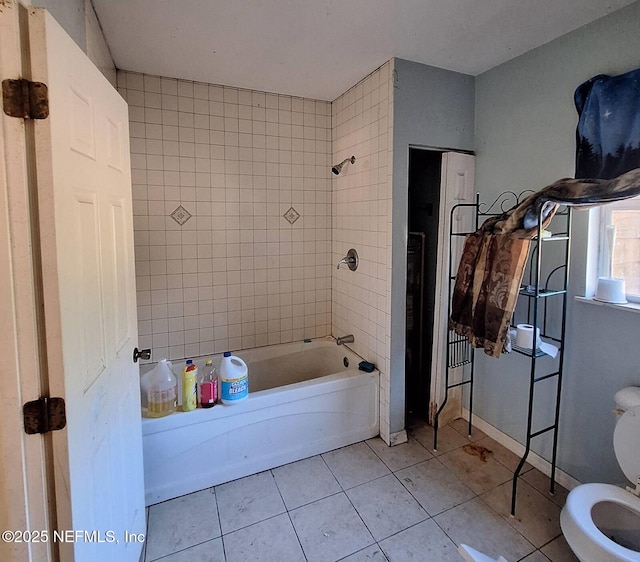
<point x="338" y="167"/>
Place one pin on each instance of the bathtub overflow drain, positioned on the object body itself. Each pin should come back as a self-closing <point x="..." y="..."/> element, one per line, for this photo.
<point x="345" y="362"/>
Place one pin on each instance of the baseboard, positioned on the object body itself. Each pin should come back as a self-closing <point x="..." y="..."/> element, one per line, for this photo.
<point x="535" y="460"/>
<point x="398" y="438"/>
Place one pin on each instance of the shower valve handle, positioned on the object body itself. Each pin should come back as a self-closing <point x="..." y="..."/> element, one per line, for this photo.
<point x="351" y="260"/>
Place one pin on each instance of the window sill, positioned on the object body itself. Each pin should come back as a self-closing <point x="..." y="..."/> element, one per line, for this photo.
<point x="630" y="306"/>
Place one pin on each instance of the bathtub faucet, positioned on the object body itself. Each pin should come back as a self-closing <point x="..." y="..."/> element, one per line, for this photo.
<point x="345" y="339"/>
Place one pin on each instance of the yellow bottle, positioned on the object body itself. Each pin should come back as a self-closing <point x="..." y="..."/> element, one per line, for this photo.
<point x="189" y="378"/>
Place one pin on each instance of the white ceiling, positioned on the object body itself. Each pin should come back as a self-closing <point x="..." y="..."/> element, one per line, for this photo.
<point x="320" y="48"/>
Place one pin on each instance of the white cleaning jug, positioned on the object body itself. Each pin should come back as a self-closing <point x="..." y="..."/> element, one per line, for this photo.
<point x="159" y="391"/>
<point x="234" y="379"/>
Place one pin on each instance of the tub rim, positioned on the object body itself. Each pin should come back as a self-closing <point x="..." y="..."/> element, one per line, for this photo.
<point x="270" y="397"/>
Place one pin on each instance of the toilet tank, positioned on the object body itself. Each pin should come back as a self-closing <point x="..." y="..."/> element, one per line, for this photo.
<point x="627" y="398"/>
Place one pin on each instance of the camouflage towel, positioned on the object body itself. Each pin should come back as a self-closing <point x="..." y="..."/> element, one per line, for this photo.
<point x="494" y="257"/>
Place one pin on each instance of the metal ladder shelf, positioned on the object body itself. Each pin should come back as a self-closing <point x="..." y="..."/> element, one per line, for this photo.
<point x="460" y="353"/>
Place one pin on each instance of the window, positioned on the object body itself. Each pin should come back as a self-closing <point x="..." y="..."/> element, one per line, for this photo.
<point x="625" y="216"/>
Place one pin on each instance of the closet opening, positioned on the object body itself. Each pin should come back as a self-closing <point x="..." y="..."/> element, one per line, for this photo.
<point x="425" y="169"/>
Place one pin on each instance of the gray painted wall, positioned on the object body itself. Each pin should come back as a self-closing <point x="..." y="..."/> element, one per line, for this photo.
<point x="70" y="15"/>
<point x="433" y="108"/>
<point x="525" y="138"/>
<point x="79" y="20"/>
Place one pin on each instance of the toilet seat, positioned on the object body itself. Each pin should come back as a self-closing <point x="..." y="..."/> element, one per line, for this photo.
<point x="576" y="517"/>
<point x="626" y="443"/>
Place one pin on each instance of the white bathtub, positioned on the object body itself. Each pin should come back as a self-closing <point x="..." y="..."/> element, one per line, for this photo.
<point x="302" y="401"/>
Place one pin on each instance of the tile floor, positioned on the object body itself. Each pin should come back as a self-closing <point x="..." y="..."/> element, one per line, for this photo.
<point x="369" y="502"/>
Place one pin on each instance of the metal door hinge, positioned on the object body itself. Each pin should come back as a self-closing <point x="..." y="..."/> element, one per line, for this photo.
<point x="44" y="414"/>
<point x="25" y="99"/>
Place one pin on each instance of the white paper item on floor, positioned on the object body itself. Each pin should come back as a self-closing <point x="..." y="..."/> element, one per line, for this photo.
<point x="472" y="555"/>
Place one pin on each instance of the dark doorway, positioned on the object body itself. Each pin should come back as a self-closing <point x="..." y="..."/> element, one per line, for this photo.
<point x="424" y="200"/>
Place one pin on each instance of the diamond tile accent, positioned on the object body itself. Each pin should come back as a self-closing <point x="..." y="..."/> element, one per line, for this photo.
<point x="291" y="215"/>
<point x="180" y="215"/>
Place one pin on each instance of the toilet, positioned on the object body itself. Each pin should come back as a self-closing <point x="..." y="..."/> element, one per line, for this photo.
<point x="601" y="522"/>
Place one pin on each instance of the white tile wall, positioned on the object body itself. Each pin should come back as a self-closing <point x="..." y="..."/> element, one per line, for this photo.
<point x="237" y="274"/>
<point x="361" y="219"/>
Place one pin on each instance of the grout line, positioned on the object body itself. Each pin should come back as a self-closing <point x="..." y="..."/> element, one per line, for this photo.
<point x="254" y="523"/>
<point x="476" y="496"/>
<point x="316" y="500"/>
<point x="165" y="556"/>
<point x="215" y="494"/>
<point x="288" y="514"/>
<point x="385" y="559"/>
<point x="508" y="522"/>
<point x="486" y="504"/>
<point x="361" y="519"/>
<point x="297" y="536"/>
<point x="344" y="490"/>
<point x="409" y="465"/>
<point x="534" y="459"/>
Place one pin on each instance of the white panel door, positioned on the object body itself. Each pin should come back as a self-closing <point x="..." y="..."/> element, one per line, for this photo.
<point x="84" y="198"/>
<point x="457" y="186"/>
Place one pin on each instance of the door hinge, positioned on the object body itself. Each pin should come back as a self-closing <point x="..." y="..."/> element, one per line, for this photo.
<point x="44" y="415"/>
<point x="25" y="99"/>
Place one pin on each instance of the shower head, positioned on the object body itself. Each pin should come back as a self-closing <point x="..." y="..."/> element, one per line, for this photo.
<point x="338" y="167"/>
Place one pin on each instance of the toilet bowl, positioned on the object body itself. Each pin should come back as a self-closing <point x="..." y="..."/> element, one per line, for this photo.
<point x="601" y="522"/>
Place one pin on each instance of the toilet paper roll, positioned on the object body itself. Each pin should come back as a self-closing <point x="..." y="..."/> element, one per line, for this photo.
<point x="524" y="336"/>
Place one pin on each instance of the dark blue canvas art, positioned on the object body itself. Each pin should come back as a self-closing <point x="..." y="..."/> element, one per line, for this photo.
<point x="608" y="134"/>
